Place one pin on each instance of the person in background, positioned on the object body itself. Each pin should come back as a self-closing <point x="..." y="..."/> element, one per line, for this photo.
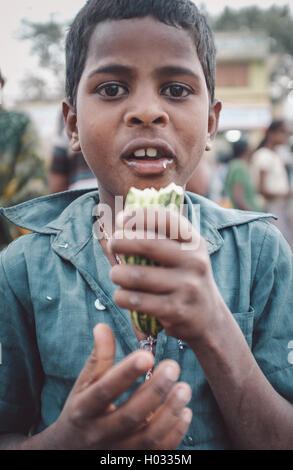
<point x="68" y="169"/>
<point x="239" y="185"/>
<point x="22" y="171"/>
<point x="271" y="178"/>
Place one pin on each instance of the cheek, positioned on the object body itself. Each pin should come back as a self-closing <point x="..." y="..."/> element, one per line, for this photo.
<point x="194" y="139"/>
<point x="193" y="127"/>
<point x="93" y="139"/>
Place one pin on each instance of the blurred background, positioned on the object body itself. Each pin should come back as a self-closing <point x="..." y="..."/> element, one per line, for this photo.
<point x="254" y="43"/>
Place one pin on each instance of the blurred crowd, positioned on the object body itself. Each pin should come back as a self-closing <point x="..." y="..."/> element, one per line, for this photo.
<point x="258" y="179"/>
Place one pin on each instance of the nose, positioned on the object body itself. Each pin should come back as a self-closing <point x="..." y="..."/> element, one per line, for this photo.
<point x="146" y="115"/>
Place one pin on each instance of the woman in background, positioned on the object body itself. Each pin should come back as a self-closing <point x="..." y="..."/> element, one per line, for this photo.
<point x="271" y="176"/>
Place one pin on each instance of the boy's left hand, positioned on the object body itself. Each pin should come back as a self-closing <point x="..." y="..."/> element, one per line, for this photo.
<point x="181" y="293"/>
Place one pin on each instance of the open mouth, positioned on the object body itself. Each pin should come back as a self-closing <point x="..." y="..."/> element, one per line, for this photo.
<point x="147" y="154"/>
<point x="148" y="159"/>
<point x="150" y="155"/>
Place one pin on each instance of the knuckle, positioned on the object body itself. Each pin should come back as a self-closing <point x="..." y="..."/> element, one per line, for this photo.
<point x="136" y="299"/>
<point x="180" y="314"/>
<point x="150" y="441"/>
<point x="130" y="421"/>
<point x="189" y="259"/>
<point x="168" y="307"/>
<point x="161" y="387"/>
<point x="76" y="416"/>
<point x="202" y="265"/>
<point x="134" y="275"/>
<point x="103" y="395"/>
<point x="190" y="288"/>
<point x="197" y="262"/>
<point x="179" y="307"/>
<point x="93" y="438"/>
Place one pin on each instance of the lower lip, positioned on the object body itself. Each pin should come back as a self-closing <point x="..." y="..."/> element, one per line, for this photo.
<point x="149" y="167"/>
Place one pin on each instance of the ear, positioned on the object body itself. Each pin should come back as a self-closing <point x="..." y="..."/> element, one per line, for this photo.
<point x="70" y="119"/>
<point x="214" y="115"/>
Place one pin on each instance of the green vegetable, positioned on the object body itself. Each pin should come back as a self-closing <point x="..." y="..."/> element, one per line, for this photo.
<point x="171" y="197"/>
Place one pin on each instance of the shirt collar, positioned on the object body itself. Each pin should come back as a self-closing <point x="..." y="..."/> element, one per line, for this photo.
<point x="211" y="219"/>
<point x="69" y="216"/>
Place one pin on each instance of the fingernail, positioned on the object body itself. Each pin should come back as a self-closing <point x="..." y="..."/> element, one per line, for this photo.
<point x="172" y="373"/>
<point x="142" y="362"/>
<point x="183" y="394"/>
<point x="187" y="415"/>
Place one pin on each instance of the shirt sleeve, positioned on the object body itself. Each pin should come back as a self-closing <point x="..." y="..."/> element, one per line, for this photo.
<point x="272" y="298"/>
<point x="21" y="373"/>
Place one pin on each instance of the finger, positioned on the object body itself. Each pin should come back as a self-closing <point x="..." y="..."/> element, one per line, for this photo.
<point x="164" y="252"/>
<point x="161" y="220"/>
<point x="129" y="416"/>
<point x="100" y="394"/>
<point x="152" y="279"/>
<point x="168" y="424"/>
<point x="172" y="436"/>
<point x="177" y="433"/>
<point x="159" y="305"/>
<point x="101" y="358"/>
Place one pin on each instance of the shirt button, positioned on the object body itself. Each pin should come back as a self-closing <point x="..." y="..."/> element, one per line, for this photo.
<point x="188" y="441"/>
<point x="99" y="305"/>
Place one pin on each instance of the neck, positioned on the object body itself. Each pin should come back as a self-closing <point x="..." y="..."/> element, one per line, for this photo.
<point x="109" y="207"/>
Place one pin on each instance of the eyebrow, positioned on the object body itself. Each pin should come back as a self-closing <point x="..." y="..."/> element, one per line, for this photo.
<point x="112" y="68"/>
<point x="176" y="70"/>
<point x="118" y="69"/>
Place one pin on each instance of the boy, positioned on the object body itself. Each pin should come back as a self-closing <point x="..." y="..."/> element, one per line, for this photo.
<point x="141" y="107"/>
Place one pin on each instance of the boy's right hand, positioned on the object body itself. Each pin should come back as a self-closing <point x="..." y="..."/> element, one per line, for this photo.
<point x="154" y="417"/>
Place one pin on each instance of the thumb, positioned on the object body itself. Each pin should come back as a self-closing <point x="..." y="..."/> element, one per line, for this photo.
<point x="101" y="358"/>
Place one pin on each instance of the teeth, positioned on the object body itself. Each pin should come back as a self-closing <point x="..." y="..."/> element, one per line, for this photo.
<point x="139" y="153"/>
<point x="150" y="152"/>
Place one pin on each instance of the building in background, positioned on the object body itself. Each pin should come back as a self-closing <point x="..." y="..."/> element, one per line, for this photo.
<point x="242" y="84"/>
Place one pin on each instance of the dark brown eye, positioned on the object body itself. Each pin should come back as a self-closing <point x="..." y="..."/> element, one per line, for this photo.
<point x="176" y="91"/>
<point x="111" y="90"/>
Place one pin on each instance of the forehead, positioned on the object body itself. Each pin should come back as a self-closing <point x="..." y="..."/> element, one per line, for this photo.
<point x="147" y="38"/>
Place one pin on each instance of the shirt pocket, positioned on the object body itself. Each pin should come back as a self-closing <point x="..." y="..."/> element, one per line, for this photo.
<point x="245" y="322"/>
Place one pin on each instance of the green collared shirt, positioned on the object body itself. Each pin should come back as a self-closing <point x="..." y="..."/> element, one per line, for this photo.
<point x="55" y="287"/>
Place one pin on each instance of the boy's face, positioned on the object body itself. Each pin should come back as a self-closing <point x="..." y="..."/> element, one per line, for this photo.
<point x="142" y="88"/>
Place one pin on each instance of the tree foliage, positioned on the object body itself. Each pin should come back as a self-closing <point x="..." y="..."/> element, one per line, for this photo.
<point x="276" y="22"/>
<point x="47" y="44"/>
<point x="47" y="39"/>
